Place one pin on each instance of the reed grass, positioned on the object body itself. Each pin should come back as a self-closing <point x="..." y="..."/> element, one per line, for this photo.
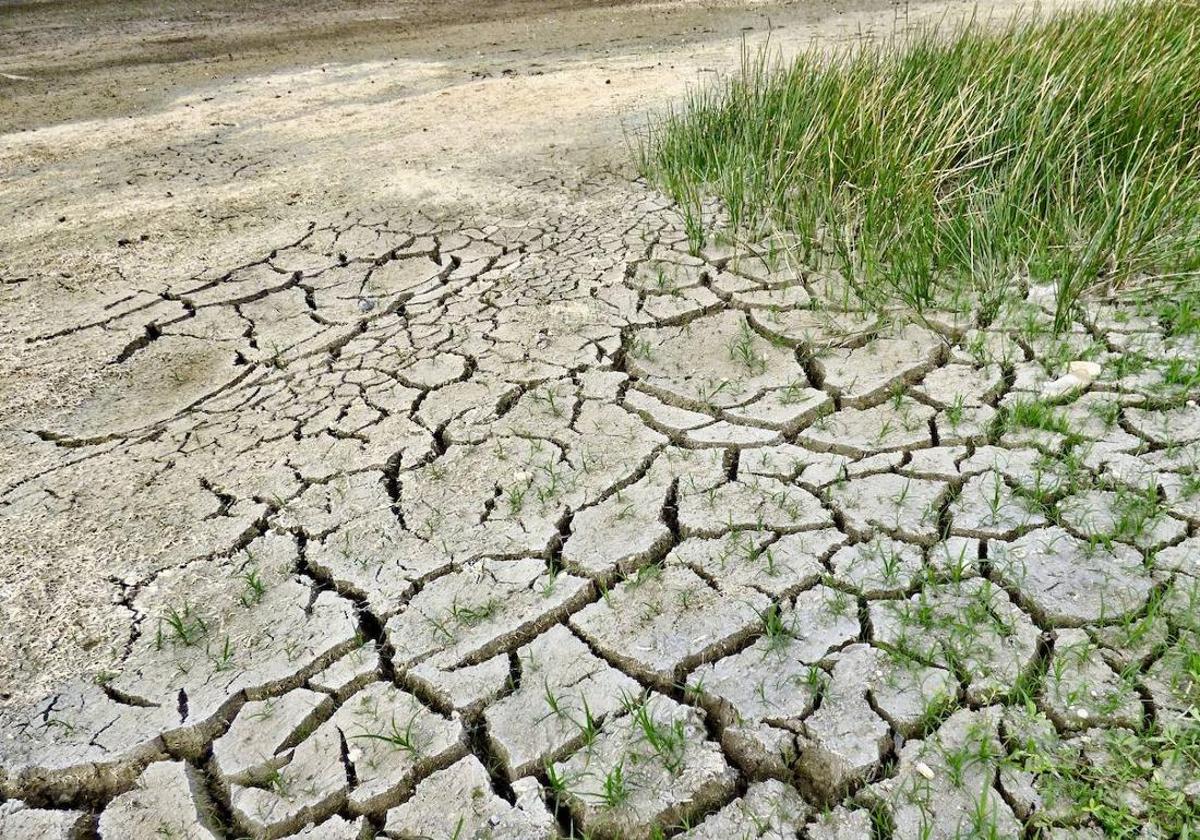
<point x="937" y="170"/>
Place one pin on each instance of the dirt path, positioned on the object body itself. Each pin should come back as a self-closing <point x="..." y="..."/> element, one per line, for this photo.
<point x="346" y="377"/>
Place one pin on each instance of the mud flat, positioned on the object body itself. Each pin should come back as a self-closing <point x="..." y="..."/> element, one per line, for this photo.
<point x="378" y="459"/>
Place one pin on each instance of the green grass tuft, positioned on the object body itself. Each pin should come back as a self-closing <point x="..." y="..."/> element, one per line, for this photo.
<point x="932" y="170"/>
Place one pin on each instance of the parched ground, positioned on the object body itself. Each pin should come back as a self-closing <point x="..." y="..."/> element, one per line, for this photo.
<point x="375" y="457"/>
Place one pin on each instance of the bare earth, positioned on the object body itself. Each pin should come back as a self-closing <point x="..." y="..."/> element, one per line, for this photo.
<point x="373" y="455"/>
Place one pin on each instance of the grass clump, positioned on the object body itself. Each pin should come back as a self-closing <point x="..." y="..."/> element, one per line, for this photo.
<point x="934" y="169"/>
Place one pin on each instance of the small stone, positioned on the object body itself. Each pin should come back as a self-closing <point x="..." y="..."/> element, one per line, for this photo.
<point x="1085" y="372"/>
<point x="1066" y="384"/>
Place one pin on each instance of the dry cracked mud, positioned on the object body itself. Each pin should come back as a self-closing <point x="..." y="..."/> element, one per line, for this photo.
<point x="380" y="514"/>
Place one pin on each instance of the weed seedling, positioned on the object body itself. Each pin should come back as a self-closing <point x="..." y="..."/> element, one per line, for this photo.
<point x="254" y="588"/>
<point x="667" y="740"/>
<point x="401" y="739"/>
<point x="556" y="782"/>
<point x="589" y="728"/>
<point x="775" y="631"/>
<point x="223" y="661"/>
<point x="184" y="626"/>
<point x="614" y="791"/>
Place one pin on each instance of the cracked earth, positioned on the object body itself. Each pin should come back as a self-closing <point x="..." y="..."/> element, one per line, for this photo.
<point x="520" y="520"/>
